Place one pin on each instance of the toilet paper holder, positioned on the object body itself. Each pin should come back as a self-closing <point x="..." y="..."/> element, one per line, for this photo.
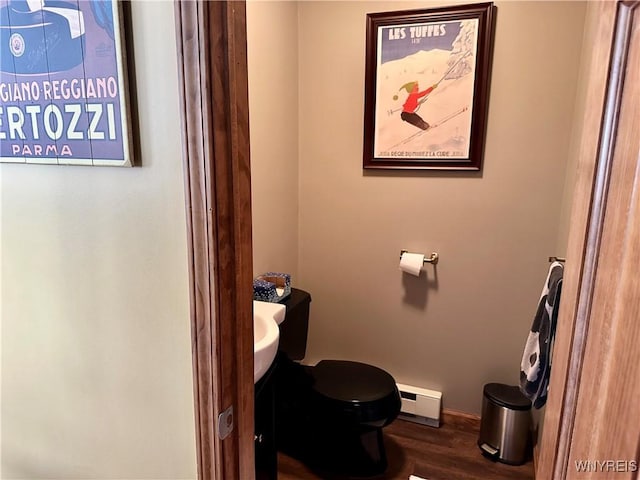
<point x="433" y="259"/>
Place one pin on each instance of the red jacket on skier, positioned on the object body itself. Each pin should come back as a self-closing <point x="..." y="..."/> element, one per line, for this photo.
<point x="412" y="103"/>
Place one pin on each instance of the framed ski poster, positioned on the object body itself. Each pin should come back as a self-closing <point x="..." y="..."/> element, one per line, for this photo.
<point x="63" y="83"/>
<point x="426" y="87"/>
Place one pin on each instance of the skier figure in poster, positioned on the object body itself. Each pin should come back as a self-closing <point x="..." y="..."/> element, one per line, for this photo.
<point x="413" y="103"/>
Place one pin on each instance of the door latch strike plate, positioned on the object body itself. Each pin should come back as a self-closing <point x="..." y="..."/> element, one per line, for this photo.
<point x="225" y="423"/>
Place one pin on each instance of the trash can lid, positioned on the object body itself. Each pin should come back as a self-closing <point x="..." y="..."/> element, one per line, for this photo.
<point x="506" y="396"/>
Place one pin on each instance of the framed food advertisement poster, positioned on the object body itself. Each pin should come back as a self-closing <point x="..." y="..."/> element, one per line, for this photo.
<point x="63" y="84"/>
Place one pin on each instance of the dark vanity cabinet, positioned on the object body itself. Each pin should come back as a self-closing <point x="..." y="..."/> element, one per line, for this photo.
<point x="265" y="443"/>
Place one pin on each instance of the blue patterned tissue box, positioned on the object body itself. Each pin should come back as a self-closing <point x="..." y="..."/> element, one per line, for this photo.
<point x="272" y="287"/>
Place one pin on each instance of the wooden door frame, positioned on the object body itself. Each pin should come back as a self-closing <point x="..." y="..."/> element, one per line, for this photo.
<point x="211" y="40"/>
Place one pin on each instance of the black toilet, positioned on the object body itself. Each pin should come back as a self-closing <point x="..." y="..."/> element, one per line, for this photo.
<point x="330" y="416"/>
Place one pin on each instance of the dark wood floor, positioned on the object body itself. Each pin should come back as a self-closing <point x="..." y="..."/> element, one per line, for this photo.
<point x="446" y="453"/>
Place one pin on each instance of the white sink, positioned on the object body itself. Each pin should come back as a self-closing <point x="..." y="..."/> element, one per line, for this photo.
<point x="266" y="318"/>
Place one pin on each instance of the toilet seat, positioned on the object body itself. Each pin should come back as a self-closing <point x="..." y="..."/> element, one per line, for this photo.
<point x="354" y="392"/>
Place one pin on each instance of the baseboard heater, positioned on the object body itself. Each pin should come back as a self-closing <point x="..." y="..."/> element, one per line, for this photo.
<point x="420" y="405"/>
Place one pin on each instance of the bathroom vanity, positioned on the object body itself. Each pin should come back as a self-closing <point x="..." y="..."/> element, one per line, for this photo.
<point x="266" y="334"/>
<point x="265" y="443"/>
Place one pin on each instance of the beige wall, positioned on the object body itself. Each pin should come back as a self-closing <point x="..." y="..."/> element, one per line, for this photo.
<point x="465" y="323"/>
<point x="582" y="94"/>
<point x="96" y="357"/>
<point x="272" y="51"/>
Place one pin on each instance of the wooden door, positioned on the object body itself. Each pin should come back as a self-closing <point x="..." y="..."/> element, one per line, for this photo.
<point x="215" y="137"/>
<point x="592" y="421"/>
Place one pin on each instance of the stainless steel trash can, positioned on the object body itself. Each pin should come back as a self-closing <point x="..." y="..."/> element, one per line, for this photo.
<point x="505" y="427"/>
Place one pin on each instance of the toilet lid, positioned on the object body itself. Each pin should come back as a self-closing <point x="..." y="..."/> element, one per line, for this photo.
<point x="351" y="382"/>
<point x="354" y="392"/>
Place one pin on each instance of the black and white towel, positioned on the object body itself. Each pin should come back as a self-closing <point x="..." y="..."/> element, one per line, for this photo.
<point x="535" y="367"/>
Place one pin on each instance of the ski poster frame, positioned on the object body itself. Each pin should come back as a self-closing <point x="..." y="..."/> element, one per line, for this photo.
<point x="64" y="85"/>
<point x="427" y="79"/>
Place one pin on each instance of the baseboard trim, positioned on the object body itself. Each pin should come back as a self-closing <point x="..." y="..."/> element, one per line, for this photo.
<point x="459" y="414"/>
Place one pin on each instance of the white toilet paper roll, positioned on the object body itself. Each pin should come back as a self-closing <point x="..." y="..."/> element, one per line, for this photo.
<point x="412" y="263"/>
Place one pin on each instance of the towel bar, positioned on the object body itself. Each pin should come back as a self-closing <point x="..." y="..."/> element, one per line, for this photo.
<point x="433" y="259"/>
<point x="557" y="259"/>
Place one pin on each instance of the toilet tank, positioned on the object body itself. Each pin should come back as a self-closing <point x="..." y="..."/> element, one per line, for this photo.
<point x="294" y="329"/>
